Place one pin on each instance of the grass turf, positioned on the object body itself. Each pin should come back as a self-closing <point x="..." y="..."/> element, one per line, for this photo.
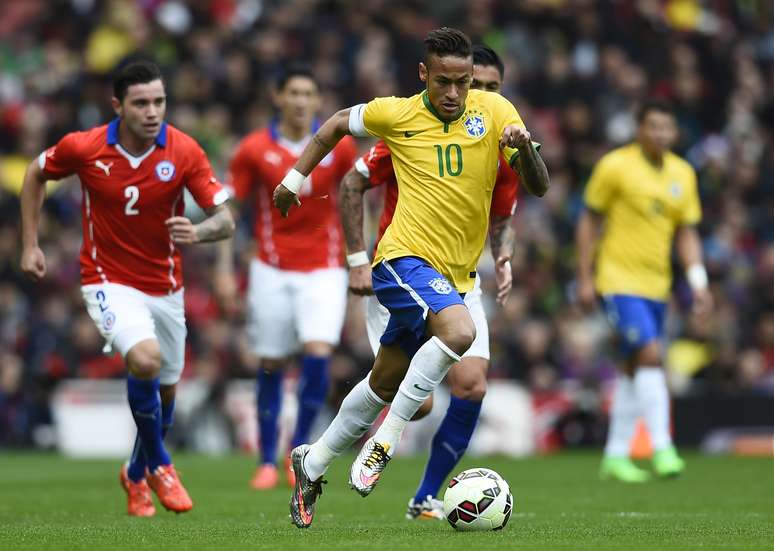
<point x="47" y="502"/>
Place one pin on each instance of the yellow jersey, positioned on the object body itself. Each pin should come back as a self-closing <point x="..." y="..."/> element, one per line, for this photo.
<point x="446" y="172"/>
<point x="643" y="205"/>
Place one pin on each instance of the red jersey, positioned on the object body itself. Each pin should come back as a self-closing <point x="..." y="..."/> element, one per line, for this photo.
<point x="127" y="199"/>
<point x="376" y="165"/>
<point x="262" y="160"/>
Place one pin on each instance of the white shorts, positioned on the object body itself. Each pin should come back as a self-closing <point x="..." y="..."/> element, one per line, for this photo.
<point x="125" y="316"/>
<point x="377" y="317"/>
<point x="287" y="309"/>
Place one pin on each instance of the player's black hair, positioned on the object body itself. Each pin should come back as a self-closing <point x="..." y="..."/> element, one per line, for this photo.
<point x="296" y="70"/>
<point x="447" y="41"/>
<point x="654" y="104"/>
<point x="136" y="72"/>
<point x="487" y="57"/>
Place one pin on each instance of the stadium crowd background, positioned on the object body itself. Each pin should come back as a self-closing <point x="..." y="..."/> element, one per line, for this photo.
<point x="575" y="70"/>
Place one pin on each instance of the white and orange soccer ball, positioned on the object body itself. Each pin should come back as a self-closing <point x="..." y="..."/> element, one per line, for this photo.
<point x="478" y="499"/>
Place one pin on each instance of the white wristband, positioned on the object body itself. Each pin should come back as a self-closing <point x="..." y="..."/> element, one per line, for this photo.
<point x="697" y="276"/>
<point x="359" y="258"/>
<point x="293" y="180"/>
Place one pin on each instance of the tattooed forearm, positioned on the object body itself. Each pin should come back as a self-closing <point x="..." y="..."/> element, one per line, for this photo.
<point x="501" y="237"/>
<point x="319" y="141"/>
<point x="533" y="171"/>
<point x="218" y="225"/>
<point x="353" y="186"/>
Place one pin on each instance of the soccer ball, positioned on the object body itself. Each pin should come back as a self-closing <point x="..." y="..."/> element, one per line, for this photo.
<point x="478" y="499"/>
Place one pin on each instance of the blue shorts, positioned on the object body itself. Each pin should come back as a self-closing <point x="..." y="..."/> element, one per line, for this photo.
<point x="409" y="287"/>
<point x="637" y="320"/>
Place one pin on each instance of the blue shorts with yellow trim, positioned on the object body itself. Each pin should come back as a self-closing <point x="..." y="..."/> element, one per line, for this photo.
<point x="409" y="287"/>
<point x="637" y="320"/>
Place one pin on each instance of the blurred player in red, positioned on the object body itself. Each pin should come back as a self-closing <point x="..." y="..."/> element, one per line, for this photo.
<point x="298" y="286"/>
<point x="133" y="172"/>
<point x="467" y="379"/>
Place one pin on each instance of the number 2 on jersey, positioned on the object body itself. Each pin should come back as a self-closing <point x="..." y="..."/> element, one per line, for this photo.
<point x="132" y="193"/>
<point x="447" y="157"/>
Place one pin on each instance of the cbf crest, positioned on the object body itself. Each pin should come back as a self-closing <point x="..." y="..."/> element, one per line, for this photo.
<point x="165" y="171"/>
<point x="474" y="124"/>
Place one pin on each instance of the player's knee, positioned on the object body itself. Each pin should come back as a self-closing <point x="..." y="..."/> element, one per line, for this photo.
<point x="383" y="387"/>
<point x="459" y="337"/>
<point x="473" y="389"/>
<point x="649" y="355"/>
<point x="273" y="364"/>
<point x="144" y="361"/>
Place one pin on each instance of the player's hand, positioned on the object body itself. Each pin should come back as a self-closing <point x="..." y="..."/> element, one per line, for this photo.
<point x="504" y="278"/>
<point x="514" y="136"/>
<point x="33" y="263"/>
<point x="181" y="230"/>
<point x="702" y="302"/>
<point x="360" y="280"/>
<point x="586" y="294"/>
<point x="284" y="199"/>
<point x="224" y="287"/>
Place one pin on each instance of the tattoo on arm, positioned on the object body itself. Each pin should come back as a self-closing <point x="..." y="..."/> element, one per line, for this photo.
<point x="218" y="225"/>
<point x="501" y="236"/>
<point x="319" y="141"/>
<point x="353" y="186"/>
<point x="532" y="169"/>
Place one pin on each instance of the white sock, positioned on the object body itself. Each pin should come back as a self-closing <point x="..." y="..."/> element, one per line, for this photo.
<point x="427" y="369"/>
<point x="653" y="398"/>
<point x="624" y="412"/>
<point x="357" y="413"/>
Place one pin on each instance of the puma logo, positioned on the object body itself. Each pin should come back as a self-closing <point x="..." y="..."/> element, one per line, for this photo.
<point x="454" y="453"/>
<point x="105" y="167"/>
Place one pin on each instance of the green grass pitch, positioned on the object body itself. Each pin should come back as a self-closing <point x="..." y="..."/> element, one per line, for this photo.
<point x="47" y="502"/>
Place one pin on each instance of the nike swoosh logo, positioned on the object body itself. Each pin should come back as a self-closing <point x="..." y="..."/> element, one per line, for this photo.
<point x="422" y="389"/>
<point x="411" y="133"/>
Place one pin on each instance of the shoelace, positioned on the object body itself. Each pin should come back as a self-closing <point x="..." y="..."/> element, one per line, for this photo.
<point x="377" y="456"/>
<point x="317" y="485"/>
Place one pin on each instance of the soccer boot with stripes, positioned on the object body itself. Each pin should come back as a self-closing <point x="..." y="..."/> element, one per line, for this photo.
<point x="139" y="502"/>
<point x="427" y="509"/>
<point x="368" y="466"/>
<point x="165" y="482"/>
<point x="306" y="490"/>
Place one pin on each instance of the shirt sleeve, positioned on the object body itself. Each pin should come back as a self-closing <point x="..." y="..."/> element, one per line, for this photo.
<point x="505" y="191"/>
<point x="240" y="173"/>
<point x="691" y="214"/>
<point x="376" y="165"/>
<point x="62" y="159"/>
<point x="207" y="191"/>
<point x="601" y="187"/>
<point x="378" y="116"/>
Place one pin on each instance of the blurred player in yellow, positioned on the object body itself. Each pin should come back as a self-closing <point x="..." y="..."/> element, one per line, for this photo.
<point x="445" y="144"/>
<point x="640" y="198"/>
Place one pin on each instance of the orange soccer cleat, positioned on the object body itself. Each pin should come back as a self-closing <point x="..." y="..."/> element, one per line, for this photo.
<point x="170" y="491"/>
<point x="266" y="477"/>
<point x="138" y="496"/>
<point x="290" y="475"/>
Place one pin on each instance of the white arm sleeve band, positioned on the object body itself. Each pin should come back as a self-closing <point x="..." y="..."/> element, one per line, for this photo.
<point x="42" y="160"/>
<point x="697" y="276"/>
<point x="362" y="168"/>
<point x="356" y="123"/>
<point x="293" y="180"/>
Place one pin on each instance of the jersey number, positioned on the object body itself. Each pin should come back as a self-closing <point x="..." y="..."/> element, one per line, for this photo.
<point x="445" y="159"/>
<point x="132" y="193"/>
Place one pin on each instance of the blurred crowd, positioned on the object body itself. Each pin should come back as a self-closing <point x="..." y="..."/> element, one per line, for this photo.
<point x="575" y="69"/>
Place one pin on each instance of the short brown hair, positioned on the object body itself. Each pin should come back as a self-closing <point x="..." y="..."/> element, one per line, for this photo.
<point x="447" y="41"/>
